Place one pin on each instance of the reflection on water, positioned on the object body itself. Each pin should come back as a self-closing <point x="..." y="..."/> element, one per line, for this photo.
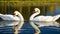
<point x="51" y="27"/>
<point x="37" y="30"/>
<point x="40" y="24"/>
<point x="8" y="23"/>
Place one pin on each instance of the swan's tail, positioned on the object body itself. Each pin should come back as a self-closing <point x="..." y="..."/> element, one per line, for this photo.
<point x="56" y="17"/>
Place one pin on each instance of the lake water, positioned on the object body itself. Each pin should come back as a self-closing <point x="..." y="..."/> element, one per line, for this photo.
<point x="45" y="27"/>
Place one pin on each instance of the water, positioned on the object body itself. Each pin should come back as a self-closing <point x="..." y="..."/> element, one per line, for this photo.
<point x="45" y="27"/>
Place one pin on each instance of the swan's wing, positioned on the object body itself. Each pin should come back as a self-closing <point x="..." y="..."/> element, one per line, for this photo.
<point x="39" y="18"/>
<point x="43" y="18"/>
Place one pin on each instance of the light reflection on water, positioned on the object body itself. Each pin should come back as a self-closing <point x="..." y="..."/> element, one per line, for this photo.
<point x="6" y="27"/>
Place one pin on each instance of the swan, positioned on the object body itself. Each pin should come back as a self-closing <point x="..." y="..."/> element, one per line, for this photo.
<point x="9" y="17"/>
<point x="42" y="18"/>
<point x="13" y="18"/>
<point x="20" y="24"/>
<point x="33" y="25"/>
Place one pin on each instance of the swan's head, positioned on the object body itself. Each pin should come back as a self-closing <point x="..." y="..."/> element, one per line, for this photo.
<point x="16" y="13"/>
<point x="36" y="10"/>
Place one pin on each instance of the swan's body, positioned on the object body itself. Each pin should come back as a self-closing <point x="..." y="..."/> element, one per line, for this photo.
<point x="43" y="18"/>
<point x="9" y="17"/>
<point x="46" y="18"/>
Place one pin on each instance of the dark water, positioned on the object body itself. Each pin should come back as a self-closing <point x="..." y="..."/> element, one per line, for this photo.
<point x="45" y="27"/>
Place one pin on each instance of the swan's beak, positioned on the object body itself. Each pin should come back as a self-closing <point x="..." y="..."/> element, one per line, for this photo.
<point x="14" y="14"/>
<point x="33" y="11"/>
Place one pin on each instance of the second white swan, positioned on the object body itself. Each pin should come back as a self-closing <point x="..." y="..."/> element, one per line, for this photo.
<point x="42" y="18"/>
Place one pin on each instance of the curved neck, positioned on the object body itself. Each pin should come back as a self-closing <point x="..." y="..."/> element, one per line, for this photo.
<point x="33" y="15"/>
<point x="21" y="17"/>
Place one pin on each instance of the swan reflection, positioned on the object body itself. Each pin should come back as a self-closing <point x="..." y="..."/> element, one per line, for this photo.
<point x="47" y="23"/>
<point x="8" y="23"/>
<point x="37" y="30"/>
<point x="42" y="24"/>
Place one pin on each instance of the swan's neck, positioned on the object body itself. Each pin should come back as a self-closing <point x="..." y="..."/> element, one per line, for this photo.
<point x="21" y="17"/>
<point x="33" y="15"/>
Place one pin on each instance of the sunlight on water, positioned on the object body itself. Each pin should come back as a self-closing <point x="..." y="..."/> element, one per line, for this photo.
<point x="6" y="27"/>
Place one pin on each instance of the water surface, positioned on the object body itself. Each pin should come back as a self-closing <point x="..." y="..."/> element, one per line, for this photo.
<point x="6" y="27"/>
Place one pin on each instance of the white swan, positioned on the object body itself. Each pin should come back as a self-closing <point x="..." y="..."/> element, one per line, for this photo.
<point x="33" y="25"/>
<point x="9" y="17"/>
<point x="42" y="18"/>
<point x="12" y="17"/>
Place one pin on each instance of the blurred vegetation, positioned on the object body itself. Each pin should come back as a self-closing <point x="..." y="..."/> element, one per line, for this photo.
<point x="25" y="7"/>
<point x="32" y="0"/>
